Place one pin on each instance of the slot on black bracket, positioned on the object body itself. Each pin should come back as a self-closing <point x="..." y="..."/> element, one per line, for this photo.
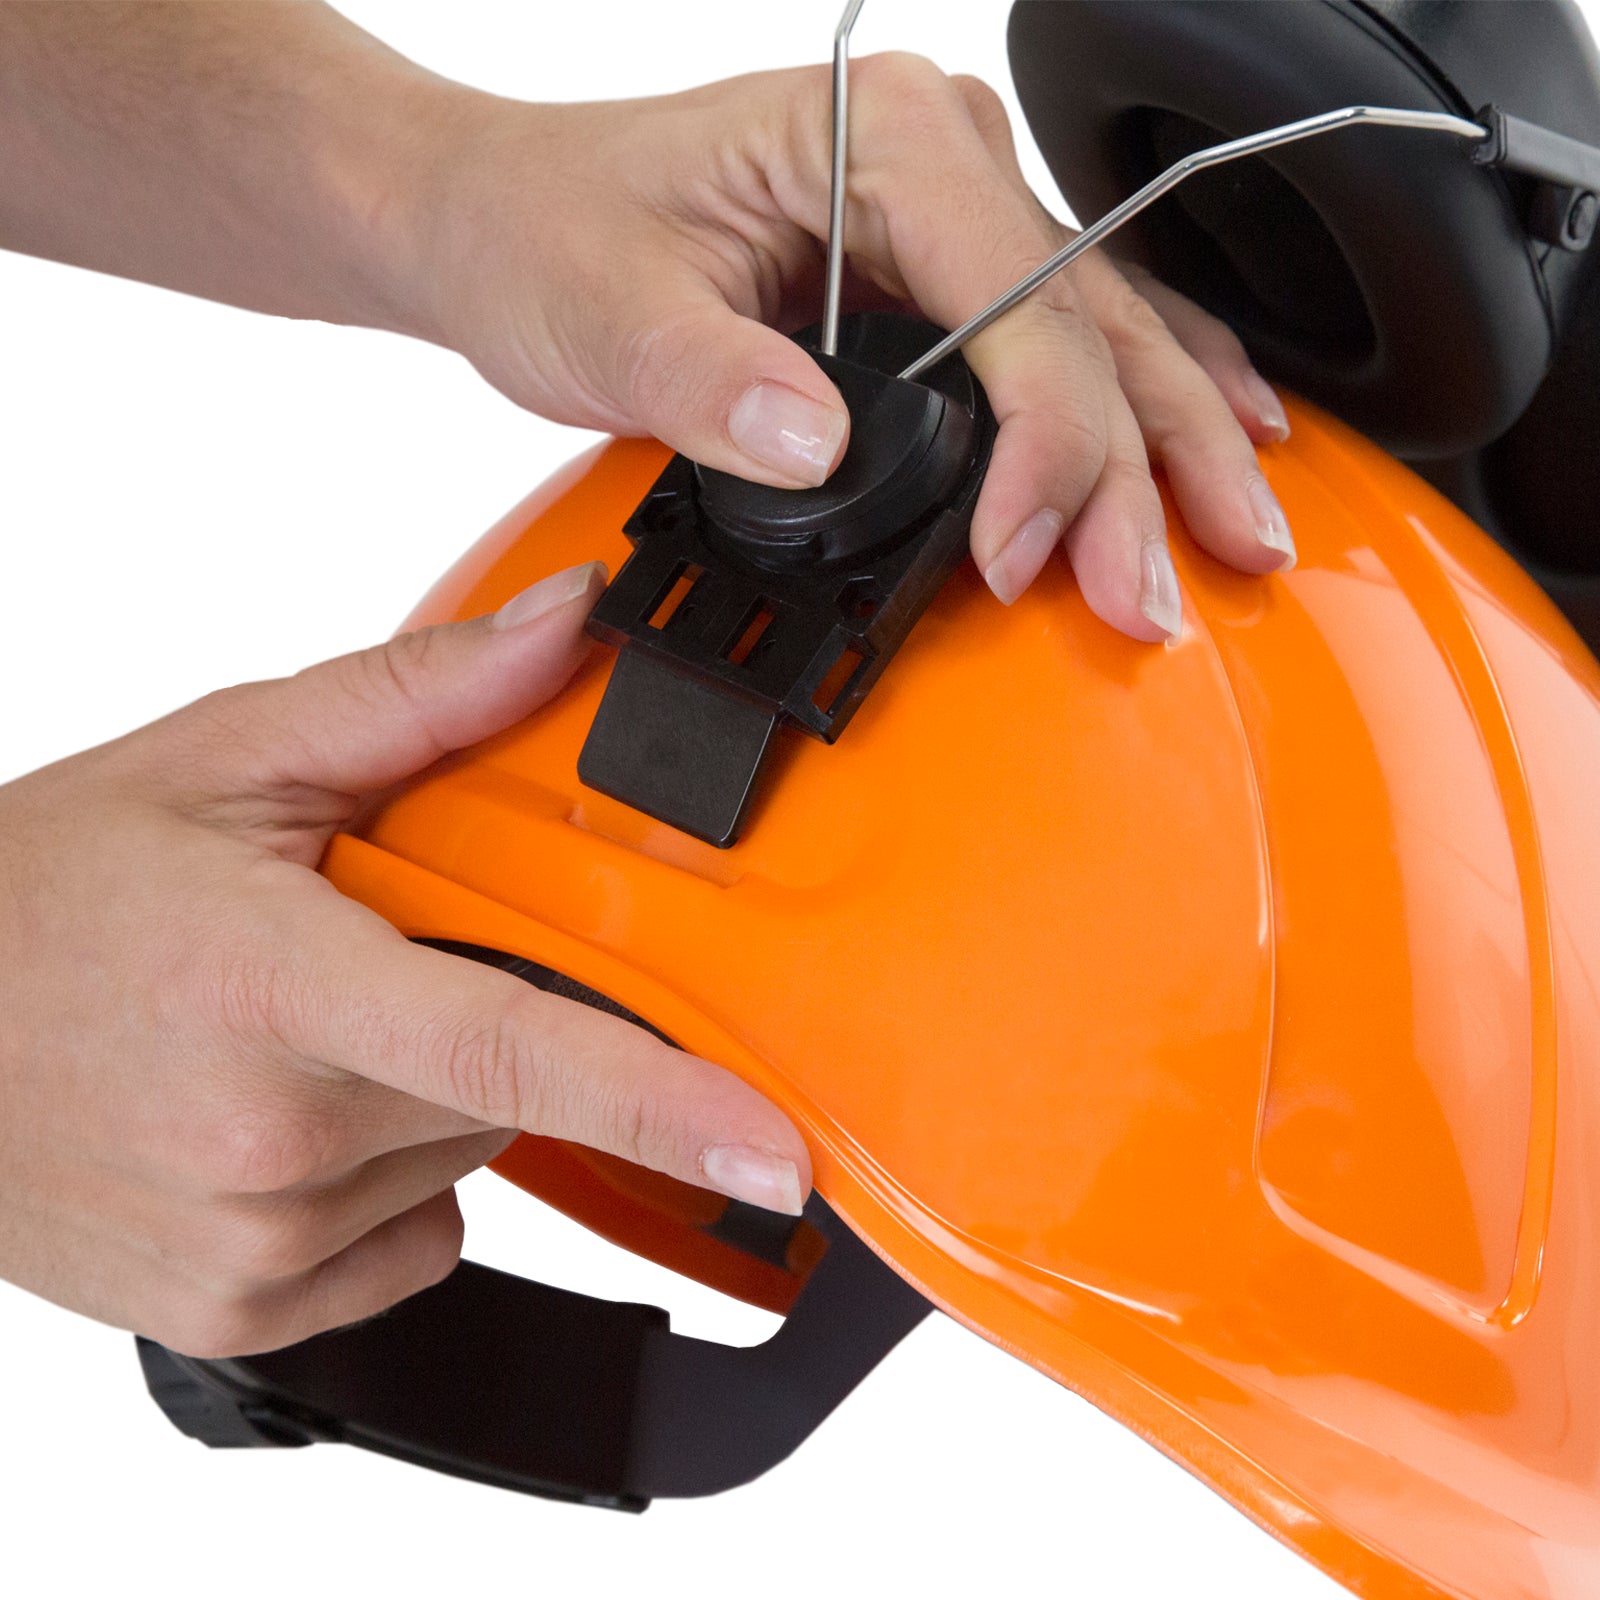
<point x="748" y="639"/>
<point x="684" y="578"/>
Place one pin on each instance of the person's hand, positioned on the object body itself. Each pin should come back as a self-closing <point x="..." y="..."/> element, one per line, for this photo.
<point x="232" y="1101"/>
<point x="614" y="266"/>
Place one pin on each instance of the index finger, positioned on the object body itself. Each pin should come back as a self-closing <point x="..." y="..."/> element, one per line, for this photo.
<point x="481" y="1042"/>
<point x="930" y="202"/>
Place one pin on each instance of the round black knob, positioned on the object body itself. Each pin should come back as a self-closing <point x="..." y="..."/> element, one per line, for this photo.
<point x="910" y="449"/>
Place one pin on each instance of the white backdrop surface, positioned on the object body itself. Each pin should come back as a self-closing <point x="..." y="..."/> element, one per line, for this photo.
<point x="191" y="495"/>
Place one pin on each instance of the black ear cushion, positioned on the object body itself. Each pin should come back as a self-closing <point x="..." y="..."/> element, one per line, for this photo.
<point x="1376" y="271"/>
<point x="1543" y="478"/>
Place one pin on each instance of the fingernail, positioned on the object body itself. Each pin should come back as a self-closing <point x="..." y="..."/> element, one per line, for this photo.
<point x="787" y="431"/>
<point x="548" y="593"/>
<point x="1023" y="556"/>
<point x="1158" y="589"/>
<point x="755" y="1176"/>
<point x="1269" y="408"/>
<point x="1272" y="527"/>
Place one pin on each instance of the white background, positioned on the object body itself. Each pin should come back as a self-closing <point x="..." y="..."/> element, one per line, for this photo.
<point x="191" y="496"/>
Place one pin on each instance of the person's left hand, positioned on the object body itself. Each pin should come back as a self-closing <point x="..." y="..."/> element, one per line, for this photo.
<point x="233" y="1103"/>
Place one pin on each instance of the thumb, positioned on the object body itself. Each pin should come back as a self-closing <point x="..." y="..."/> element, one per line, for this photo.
<point x="732" y="394"/>
<point x="364" y="721"/>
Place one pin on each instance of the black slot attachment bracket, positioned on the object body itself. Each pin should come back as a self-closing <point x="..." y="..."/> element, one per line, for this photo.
<point x="743" y="608"/>
<point x="1567" y="210"/>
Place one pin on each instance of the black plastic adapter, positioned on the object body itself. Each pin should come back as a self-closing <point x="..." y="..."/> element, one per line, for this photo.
<point x="744" y="607"/>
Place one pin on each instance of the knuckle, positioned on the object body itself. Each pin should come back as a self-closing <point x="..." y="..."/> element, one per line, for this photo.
<point x="389" y="679"/>
<point x="653" y="358"/>
<point x="1222" y="355"/>
<point x="436" y="1253"/>
<point x="1134" y="273"/>
<point x="228" y="980"/>
<point x="1129" y="318"/>
<point x="250" y="998"/>
<point x="1231" y="347"/>
<point x="1086" y="439"/>
<point x="1218" y="339"/>
<point x="490" y="1069"/>
<point x="208" y="735"/>
<point x="1067" y="448"/>
<point x="263" y="1247"/>
<point x="401" y="1258"/>
<point x="219" y="711"/>
<point x="1202" y="333"/>
<point x="1125" y="449"/>
<point x="903" y="92"/>
<point x="1058" y="306"/>
<point x="1136" y="492"/>
<point x="507" y="1071"/>
<point x="213" y="1327"/>
<point x="900" y="75"/>
<point x="398" y="670"/>
<point x="1080" y="451"/>
<point x="1193" y="417"/>
<point x="630" y="1127"/>
<point x="263" y="1149"/>
<point x="471" y="1065"/>
<point x="1057" y="320"/>
<point x="1144" y="496"/>
<point x="1073" y="434"/>
<point x="983" y="103"/>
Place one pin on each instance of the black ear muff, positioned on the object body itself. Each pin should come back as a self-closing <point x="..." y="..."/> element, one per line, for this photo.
<point x="1379" y="272"/>
<point x="1543" y="478"/>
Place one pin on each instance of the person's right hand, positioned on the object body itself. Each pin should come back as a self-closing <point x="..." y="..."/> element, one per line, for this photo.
<point x="233" y="1103"/>
<point x="613" y="265"/>
<point x="626" y="265"/>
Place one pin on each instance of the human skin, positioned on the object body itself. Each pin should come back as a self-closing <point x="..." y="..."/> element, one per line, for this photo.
<point x="233" y="1103"/>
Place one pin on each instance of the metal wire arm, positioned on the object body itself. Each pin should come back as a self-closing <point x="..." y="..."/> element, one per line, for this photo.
<point x="1213" y="156"/>
<point x="841" y="144"/>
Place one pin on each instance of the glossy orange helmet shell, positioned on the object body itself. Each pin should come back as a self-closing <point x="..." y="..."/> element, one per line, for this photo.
<point x="1216" y="1027"/>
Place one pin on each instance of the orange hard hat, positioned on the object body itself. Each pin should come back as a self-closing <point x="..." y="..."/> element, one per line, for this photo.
<point x="1216" y="1027"/>
<point x="1213" y="1026"/>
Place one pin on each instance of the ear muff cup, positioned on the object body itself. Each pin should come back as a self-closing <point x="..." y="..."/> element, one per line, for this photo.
<point x="1543" y="478"/>
<point x="1376" y="271"/>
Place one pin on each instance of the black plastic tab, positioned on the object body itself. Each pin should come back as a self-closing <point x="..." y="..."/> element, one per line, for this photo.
<point x="744" y="608"/>
<point x="1566" y="208"/>
<point x="672" y="745"/>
